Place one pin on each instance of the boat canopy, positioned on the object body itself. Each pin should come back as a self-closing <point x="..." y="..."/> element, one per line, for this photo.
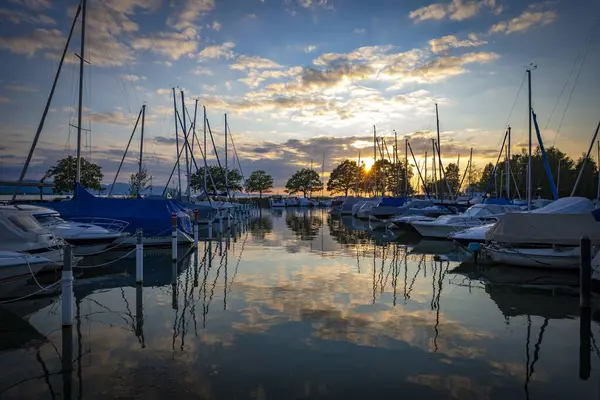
<point x="392" y="201"/>
<point x="537" y="228"/>
<point x="567" y="205"/>
<point x="153" y="216"/>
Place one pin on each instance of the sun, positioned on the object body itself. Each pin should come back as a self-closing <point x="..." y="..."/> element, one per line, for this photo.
<point x="367" y="162"/>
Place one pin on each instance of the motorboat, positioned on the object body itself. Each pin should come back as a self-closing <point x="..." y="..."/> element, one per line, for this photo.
<point x="476" y="215"/>
<point x="21" y="232"/>
<point x="348" y="205"/>
<point x="362" y="209"/>
<point x="276" y="201"/>
<point x="86" y="238"/>
<point x="153" y="216"/>
<point x="389" y="207"/>
<point x="336" y="205"/>
<point x="475" y="234"/>
<point x="304" y="202"/>
<point x="291" y="202"/>
<point x="17" y="268"/>
<point x="325" y="203"/>
<point x="542" y="240"/>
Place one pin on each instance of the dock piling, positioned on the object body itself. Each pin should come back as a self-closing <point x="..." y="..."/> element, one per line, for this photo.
<point x="67" y="286"/>
<point x="139" y="258"/>
<point x="174" y="237"/>
<point x="585" y="273"/>
<point x="195" y="229"/>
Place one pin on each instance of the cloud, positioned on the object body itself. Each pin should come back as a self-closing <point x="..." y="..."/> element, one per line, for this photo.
<point x="310" y="48"/>
<point x="209" y="88"/>
<point x="243" y="62"/>
<point x="446" y="42"/>
<point x="4" y="100"/>
<point x="256" y="77"/>
<point x="326" y="4"/>
<point x="532" y="17"/>
<point x="165" y="141"/>
<point x="20" y="88"/>
<point x="359" y="31"/>
<point x="457" y="10"/>
<point x="131" y="78"/>
<point x="39" y="40"/>
<point x="171" y="44"/>
<point x="218" y="51"/>
<point x="216" y="25"/>
<point x="166" y="63"/>
<point x="17" y="17"/>
<point x="113" y="118"/>
<point x="202" y="71"/>
<point x="189" y="12"/>
<point x="34" y="4"/>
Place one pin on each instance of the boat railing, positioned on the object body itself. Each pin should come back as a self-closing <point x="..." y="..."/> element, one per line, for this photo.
<point x="115" y="225"/>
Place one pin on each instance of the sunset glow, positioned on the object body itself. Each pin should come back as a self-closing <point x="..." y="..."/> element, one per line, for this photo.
<point x="367" y="162"/>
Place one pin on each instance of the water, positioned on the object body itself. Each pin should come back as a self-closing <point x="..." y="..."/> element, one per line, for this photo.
<point x="300" y="306"/>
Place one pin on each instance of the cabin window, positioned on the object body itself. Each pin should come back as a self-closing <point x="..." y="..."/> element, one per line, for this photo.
<point x="24" y="223"/>
<point x="48" y="219"/>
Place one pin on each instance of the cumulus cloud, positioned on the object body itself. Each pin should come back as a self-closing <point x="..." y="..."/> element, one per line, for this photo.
<point x="114" y="118"/>
<point x="534" y="16"/>
<point x="171" y="44"/>
<point x="446" y="42"/>
<point x="20" y="88"/>
<point x="202" y="71"/>
<point x="457" y="10"/>
<point x="358" y="31"/>
<point x="216" y="25"/>
<point x="131" y="78"/>
<point x="36" y="5"/>
<point x="18" y="17"/>
<point x="218" y="51"/>
<point x="188" y="13"/>
<point x="243" y="62"/>
<point x="4" y="100"/>
<point x="38" y="40"/>
<point x="310" y="48"/>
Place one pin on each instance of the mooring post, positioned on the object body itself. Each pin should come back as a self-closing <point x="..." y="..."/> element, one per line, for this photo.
<point x="139" y="312"/>
<point x="67" y="286"/>
<point x="585" y="273"/>
<point x="195" y="229"/>
<point x="139" y="258"/>
<point x="174" y="237"/>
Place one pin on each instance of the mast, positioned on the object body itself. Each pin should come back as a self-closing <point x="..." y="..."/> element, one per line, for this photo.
<point x="397" y="164"/>
<point x="322" y="173"/>
<point x="80" y="107"/>
<point x="406" y="167"/>
<point x="434" y="170"/>
<point x="374" y="159"/>
<point x="425" y="165"/>
<point x="508" y="165"/>
<point x="357" y="188"/>
<point x="558" y="176"/>
<point x="226" y="167"/>
<point x="139" y="177"/>
<point x="205" y="154"/>
<point x="598" y="165"/>
<point x="529" y="69"/>
<point x="177" y="144"/>
<point x="186" y="145"/>
<point x="439" y="144"/>
<point x="470" y="171"/>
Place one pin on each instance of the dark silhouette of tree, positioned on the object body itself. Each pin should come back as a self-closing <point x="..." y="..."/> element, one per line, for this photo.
<point x="343" y="178"/>
<point x="137" y="186"/>
<point x="259" y="181"/>
<point x="63" y="174"/>
<point x="234" y="179"/>
<point x="304" y="181"/>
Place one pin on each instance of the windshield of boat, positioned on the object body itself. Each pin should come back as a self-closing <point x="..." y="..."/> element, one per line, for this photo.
<point x="477" y="212"/>
<point x="25" y="222"/>
<point x="49" y="219"/>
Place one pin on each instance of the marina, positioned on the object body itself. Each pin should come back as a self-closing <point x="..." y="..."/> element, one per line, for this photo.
<point x="295" y="302"/>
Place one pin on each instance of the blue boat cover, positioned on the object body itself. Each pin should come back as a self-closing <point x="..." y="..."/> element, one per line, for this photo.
<point x="393" y="201"/>
<point x="496" y="200"/>
<point x="153" y="216"/>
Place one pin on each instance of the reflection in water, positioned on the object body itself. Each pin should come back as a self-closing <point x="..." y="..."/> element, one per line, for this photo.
<point x="298" y="304"/>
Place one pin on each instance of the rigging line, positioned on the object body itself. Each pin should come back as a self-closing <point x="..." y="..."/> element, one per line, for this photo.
<point x="576" y="79"/>
<point x="235" y="152"/>
<point x="512" y="108"/>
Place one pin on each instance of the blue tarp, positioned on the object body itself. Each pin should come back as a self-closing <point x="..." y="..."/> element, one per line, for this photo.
<point x="153" y="216"/>
<point x="392" y="201"/>
<point x="496" y="200"/>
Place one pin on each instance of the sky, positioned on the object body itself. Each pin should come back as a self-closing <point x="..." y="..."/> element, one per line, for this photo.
<point x="300" y="80"/>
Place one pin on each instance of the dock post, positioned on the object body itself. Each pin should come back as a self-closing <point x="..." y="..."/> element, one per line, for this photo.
<point x="174" y="237"/>
<point x="195" y="229"/>
<point x="67" y="286"/>
<point x="585" y="273"/>
<point x="139" y="258"/>
<point x="139" y="313"/>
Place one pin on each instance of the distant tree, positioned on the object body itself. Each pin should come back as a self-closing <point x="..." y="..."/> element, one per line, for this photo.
<point x="486" y="176"/>
<point x="453" y="177"/>
<point x="343" y="177"/>
<point x="137" y="186"/>
<point x="587" y="185"/>
<point x="172" y="193"/>
<point x="259" y="181"/>
<point x="305" y="181"/>
<point x="234" y="179"/>
<point x="63" y="174"/>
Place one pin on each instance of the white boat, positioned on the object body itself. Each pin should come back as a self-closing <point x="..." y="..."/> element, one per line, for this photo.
<point x="276" y="201"/>
<point x="394" y="207"/>
<point x="406" y="221"/>
<point x="546" y="240"/>
<point x="476" y="215"/>
<point x="86" y="238"/>
<point x="304" y="202"/>
<point x="471" y="235"/>
<point x="22" y="233"/>
<point x="291" y="202"/>
<point x="16" y="268"/>
<point x="361" y="210"/>
<point x="349" y="202"/>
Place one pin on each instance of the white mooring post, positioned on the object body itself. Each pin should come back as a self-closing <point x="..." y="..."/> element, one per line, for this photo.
<point x="174" y="237"/>
<point x="195" y="229"/>
<point x="67" y="286"/>
<point x="139" y="258"/>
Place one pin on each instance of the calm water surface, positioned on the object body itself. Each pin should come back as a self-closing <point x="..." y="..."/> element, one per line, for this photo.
<point x="302" y="305"/>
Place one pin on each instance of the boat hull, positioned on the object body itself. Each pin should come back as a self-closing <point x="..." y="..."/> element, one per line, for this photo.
<point x="536" y="258"/>
<point x="430" y="230"/>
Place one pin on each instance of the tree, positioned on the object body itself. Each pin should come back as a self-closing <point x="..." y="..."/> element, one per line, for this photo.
<point x="343" y="177"/>
<point x="304" y="180"/>
<point x="138" y="185"/>
<point x="234" y="179"/>
<point x="63" y="174"/>
<point x="486" y="176"/>
<point x="259" y="181"/>
<point x="453" y="177"/>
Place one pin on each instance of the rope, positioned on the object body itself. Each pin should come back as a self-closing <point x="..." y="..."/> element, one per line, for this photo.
<point x="42" y="288"/>
<point x="107" y="263"/>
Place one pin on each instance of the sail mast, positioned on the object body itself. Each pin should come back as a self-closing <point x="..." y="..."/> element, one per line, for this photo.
<point x="529" y="69"/>
<point x="226" y="167"/>
<point x="425" y="165"/>
<point x="177" y="145"/>
<point x="80" y="106"/>
<point x="139" y="177"/>
<point x="508" y="165"/>
<point x="374" y="160"/>
<point x="186" y="145"/>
